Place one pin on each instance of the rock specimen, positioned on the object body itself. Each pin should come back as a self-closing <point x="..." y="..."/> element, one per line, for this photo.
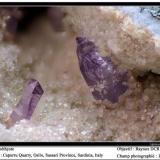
<point x="28" y="102"/>
<point x="100" y="73"/>
<point x="66" y="100"/>
<point x="130" y="34"/>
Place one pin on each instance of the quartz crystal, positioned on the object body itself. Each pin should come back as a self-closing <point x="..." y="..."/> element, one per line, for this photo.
<point x="28" y="102"/>
<point x="100" y="73"/>
<point x="11" y="25"/>
<point x="14" y="15"/>
<point x="56" y="16"/>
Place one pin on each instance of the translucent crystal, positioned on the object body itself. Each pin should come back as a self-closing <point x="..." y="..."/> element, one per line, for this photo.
<point x="14" y="15"/>
<point x="28" y="102"/>
<point x="11" y="25"/>
<point x="56" y="16"/>
<point x="100" y="73"/>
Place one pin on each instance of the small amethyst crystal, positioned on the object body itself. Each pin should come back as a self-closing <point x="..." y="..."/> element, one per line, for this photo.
<point x="11" y="23"/>
<point x="56" y="16"/>
<point x="101" y="75"/>
<point x="28" y="102"/>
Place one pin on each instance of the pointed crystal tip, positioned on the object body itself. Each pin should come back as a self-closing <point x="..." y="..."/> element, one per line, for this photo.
<point x="100" y="73"/>
<point x="80" y="39"/>
<point x="38" y="89"/>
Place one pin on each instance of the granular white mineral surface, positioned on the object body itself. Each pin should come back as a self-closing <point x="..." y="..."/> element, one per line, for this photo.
<point x="130" y="34"/>
<point x="67" y="110"/>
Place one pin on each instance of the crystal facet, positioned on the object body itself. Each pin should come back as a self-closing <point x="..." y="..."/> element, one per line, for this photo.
<point x="28" y="102"/>
<point x="100" y="73"/>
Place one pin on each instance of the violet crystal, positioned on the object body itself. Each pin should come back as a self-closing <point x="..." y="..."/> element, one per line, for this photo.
<point x="56" y="16"/>
<point x="100" y="73"/>
<point x="28" y="102"/>
<point x="15" y="14"/>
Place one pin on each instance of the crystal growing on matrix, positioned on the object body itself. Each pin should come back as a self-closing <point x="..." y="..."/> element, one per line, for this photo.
<point x="100" y="73"/>
<point x="28" y="102"/>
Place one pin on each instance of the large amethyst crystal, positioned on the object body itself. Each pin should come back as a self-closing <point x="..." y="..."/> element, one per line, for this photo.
<point x="100" y="73"/>
<point x="28" y="102"/>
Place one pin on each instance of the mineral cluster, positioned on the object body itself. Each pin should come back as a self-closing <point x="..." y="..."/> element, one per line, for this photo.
<point x="67" y="111"/>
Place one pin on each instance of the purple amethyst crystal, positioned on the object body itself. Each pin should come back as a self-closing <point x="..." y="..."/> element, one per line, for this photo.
<point x="11" y="25"/>
<point x="14" y="16"/>
<point x="56" y="16"/>
<point x="101" y="75"/>
<point x="28" y="102"/>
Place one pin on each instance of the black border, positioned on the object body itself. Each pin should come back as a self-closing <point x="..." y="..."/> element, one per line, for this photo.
<point x="46" y="4"/>
<point x="79" y="143"/>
